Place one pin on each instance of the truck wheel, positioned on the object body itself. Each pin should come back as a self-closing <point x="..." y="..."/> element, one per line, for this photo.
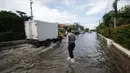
<point x="38" y="44"/>
<point x="47" y="42"/>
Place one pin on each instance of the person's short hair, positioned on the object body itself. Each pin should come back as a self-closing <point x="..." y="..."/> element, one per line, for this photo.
<point x="69" y="30"/>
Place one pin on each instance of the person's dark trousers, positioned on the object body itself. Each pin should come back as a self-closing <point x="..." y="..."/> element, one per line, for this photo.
<point x="70" y="49"/>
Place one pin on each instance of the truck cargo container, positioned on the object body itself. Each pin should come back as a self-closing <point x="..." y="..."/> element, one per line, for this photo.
<point x="41" y="31"/>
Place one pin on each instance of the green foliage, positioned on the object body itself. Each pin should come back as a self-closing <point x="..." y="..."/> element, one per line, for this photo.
<point x="93" y="30"/>
<point x="87" y="30"/>
<point x="127" y="9"/>
<point x="9" y="36"/>
<point x="81" y="27"/>
<point x="105" y="32"/>
<point x="123" y="18"/>
<point x="9" y="21"/>
<point x="73" y="27"/>
<point x="120" y="34"/>
<point x="23" y="16"/>
<point x="76" y="26"/>
<point x="11" y="26"/>
<point x="115" y="5"/>
<point x="108" y="19"/>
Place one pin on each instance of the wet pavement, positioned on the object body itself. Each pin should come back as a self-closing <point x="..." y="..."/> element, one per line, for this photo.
<point x="91" y="57"/>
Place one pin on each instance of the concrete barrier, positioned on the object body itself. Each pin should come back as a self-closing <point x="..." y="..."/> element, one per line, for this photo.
<point x="119" y="47"/>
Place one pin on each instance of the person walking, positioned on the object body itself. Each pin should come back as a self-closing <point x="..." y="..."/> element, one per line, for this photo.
<point x="71" y="45"/>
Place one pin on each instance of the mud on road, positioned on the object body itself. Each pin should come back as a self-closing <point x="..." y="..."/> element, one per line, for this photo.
<point x="90" y="56"/>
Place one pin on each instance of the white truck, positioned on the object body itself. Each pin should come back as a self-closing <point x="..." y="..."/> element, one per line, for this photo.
<point x="41" y="31"/>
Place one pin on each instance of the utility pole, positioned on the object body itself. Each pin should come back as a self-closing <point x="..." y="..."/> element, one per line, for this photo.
<point x="31" y="2"/>
<point x="99" y="22"/>
<point x="115" y="7"/>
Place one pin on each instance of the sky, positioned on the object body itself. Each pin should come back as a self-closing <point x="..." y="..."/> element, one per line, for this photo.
<point x="86" y="12"/>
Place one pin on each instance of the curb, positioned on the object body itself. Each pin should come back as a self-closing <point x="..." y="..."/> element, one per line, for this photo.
<point x="119" y="47"/>
<point x="11" y="43"/>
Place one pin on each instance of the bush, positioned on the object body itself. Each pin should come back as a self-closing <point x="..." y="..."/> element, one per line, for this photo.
<point x="120" y="34"/>
<point x="106" y="32"/>
<point x="9" y="36"/>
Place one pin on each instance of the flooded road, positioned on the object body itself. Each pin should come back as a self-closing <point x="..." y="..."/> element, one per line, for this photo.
<point x="90" y="55"/>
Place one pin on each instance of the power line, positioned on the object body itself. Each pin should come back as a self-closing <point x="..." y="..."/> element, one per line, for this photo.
<point x="106" y="7"/>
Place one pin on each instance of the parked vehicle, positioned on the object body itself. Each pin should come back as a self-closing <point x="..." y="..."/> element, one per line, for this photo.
<point x="40" y="32"/>
<point x="83" y="32"/>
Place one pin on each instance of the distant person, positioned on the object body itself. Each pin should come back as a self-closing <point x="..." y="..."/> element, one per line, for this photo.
<point x="71" y="45"/>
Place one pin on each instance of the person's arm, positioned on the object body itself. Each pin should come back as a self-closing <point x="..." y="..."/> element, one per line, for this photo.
<point x="66" y="33"/>
<point x="67" y="38"/>
<point x="74" y="37"/>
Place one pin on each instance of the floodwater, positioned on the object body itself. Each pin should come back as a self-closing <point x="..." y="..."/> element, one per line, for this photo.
<point x="91" y="57"/>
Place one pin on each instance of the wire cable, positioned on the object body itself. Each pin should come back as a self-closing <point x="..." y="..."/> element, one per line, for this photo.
<point x="106" y="7"/>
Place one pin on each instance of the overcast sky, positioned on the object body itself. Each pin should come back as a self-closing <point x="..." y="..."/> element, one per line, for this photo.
<point x="87" y="12"/>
